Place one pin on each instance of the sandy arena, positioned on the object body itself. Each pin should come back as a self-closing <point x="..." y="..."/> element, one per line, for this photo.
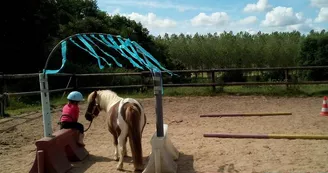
<point x="197" y="154"/>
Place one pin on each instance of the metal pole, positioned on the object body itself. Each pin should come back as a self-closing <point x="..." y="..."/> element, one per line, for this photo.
<point x="45" y="105"/>
<point x="159" y="107"/>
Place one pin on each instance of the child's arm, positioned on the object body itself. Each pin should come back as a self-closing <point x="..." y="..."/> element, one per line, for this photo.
<point x="77" y="114"/>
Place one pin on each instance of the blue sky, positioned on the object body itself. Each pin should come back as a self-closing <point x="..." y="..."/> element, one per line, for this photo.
<point x="209" y="16"/>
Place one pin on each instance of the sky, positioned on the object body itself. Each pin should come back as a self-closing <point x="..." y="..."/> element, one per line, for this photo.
<point x="209" y="16"/>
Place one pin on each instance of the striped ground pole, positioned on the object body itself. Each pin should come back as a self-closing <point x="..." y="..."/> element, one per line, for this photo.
<point x="266" y="136"/>
<point x="246" y="114"/>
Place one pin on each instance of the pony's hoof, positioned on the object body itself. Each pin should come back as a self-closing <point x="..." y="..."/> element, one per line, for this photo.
<point x="119" y="167"/>
<point x="140" y="169"/>
<point x="115" y="158"/>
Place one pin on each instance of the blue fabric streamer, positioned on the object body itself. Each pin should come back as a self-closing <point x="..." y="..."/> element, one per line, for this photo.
<point x="118" y="49"/>
<point x="117" y="63"/>
<point x="113" y="58"/>
<point x="110" y="38"/>
<point x="93" y="52"/>
<point x="134" y="54"/>
<point x="63" y="52"/>
<point x="132" y="48"/>
<point x="144" y="52"/>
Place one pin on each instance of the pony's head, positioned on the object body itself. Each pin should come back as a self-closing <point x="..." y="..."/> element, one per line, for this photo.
<point x="93" y="106"/>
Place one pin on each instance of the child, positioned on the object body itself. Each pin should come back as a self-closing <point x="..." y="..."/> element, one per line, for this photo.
<point x="70" y="115"/>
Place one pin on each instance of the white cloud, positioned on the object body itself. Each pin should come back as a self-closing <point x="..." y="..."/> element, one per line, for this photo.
<point x="152" y="4"/>
<point x="285" y="19"/>
<point x="319" y="3"/>
<point x="302" y="27"/>
<point x="323" y="15"/>
<point x="248" y="20"/>
<point x="282" y="16"/>
<point x="261" y="5"/>
<point x="279" y="19"/>
<point x="151" y="21"/>
<point x="215" y="19"/>
<point x="251" y="31"/>
<point x="299" y="27"/>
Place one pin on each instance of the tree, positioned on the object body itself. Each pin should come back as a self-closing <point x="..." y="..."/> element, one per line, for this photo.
<point x="314" y="52"/>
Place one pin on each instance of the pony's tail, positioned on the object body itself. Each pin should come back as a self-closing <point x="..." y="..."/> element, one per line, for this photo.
<point x="133" y="120"/>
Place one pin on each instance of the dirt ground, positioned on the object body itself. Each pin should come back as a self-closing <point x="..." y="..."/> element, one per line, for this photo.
<point x="186" y="129"/>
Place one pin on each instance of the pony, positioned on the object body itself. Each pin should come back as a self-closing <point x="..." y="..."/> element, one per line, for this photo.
<point x="125" y="118"/>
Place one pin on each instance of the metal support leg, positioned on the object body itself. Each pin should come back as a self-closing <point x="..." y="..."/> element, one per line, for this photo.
<point x="159" y="107"/>
<point x="45" y="101"/>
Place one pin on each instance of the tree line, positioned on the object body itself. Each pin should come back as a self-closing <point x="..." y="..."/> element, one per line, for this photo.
<point x="245" y="50"/>
<point x="37" y="26"/>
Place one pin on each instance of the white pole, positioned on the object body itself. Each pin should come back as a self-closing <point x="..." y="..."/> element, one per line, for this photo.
<point x="43" y="78"/>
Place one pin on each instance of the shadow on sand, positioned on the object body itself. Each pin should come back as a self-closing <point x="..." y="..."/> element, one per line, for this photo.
<point x="185" y="163"/>
<point x="84" y="165"/>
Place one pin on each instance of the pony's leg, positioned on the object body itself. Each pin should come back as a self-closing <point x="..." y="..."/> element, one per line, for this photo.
<point x="121" y="144"/>
<point x="116" y="148"/>
<point x="115" y="141"/>
<point x="125" y="152"/>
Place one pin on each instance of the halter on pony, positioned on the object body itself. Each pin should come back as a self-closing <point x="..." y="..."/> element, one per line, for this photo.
<point x="93" y="108"/>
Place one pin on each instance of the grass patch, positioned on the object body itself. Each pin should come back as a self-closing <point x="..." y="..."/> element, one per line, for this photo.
<point x="18" y="105"/>
<point x="188" y="91"/>
<point x="293" y="90"/>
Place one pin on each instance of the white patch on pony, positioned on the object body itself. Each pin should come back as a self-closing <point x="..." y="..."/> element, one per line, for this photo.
<point x="108" y="98"/>
<point x="124" y="128"/>
<point x="120" y="121"/>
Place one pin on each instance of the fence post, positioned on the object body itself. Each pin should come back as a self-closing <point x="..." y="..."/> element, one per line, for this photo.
<point x="143" y="86"/>
<point x="45" y="102"/>
<point x="2" y="106"/>
<point x="286" y="78"/>
<point x="2" y="96"/>
<point x="75" y="81"/>
<point x="213" y="80"/>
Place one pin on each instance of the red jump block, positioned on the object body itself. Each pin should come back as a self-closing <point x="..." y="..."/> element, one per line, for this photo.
<point x="54" y="154"/>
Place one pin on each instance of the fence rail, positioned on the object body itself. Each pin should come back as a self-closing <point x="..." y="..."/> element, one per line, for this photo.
<point x="213" y="82"/>
<point x="29" y="93"/>
<point x="31" y="75"/>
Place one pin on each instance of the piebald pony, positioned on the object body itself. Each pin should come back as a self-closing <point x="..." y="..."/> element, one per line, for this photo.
<point x="125" y="118"/>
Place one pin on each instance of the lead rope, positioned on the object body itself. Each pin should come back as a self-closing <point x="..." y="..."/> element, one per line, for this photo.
<point x="71" y="118"/>
<point x="89" y="126"/>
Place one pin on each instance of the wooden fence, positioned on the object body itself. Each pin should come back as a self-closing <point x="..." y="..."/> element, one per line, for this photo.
<point x="211" y="73"/>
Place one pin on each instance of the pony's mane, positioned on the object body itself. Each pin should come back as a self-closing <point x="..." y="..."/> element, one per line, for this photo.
<point x="107" y="97"/>
<point x="102" y="93"/>
<point x="106" y="92"/>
